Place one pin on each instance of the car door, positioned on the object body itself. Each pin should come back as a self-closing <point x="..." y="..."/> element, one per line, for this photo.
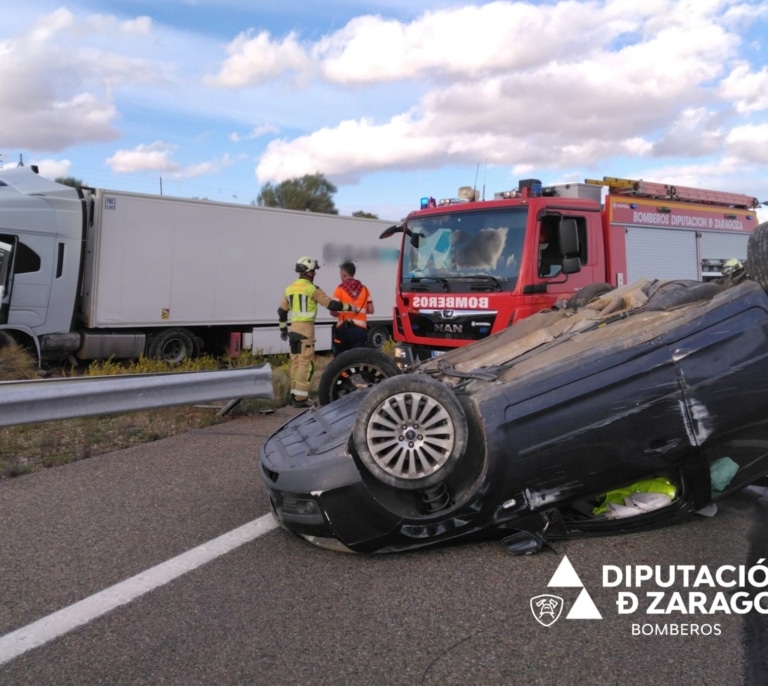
<point x="722" y="366"/>
<point x="605" y="419"/>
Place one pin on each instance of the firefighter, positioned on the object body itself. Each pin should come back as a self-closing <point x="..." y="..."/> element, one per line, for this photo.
<point x="351" y="330"/>
<point x="301" y="299"/>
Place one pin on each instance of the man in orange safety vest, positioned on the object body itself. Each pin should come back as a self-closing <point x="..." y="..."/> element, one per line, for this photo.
<point x="351" y="330"/>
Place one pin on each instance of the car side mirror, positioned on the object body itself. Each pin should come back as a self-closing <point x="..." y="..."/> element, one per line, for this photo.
<point x="524" y="543"/>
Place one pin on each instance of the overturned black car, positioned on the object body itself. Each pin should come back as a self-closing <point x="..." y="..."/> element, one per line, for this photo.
<point x="644" y="406"/>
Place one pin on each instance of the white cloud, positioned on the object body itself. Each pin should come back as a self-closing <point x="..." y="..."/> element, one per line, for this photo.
<point x="158" y="157"/>
<point x="256" y="59"/>
<point x="695" y="132"/>
<point x="253" y="134"/>
<point x="603" y="102"/>
<point x="59" y="79"/>
<point x="555" y="86"/>
<point x="562" y="85"/>
<point x="205" y="168"/>
<point x="154" y="157"/>
<point x="747" y="89"/>
<point x="465" y="42"/>
<point x="749" y="142"/>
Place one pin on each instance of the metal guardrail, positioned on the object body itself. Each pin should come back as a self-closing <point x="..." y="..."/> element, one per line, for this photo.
<point x="42" y="400"/>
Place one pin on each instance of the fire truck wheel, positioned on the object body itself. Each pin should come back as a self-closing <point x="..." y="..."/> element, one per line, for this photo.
<point x="586" y="295"/>
<point x="378" y="337"/>
<point x="172" y="346"/>
<point x="757" y="256"/>
<point x="352" y="370"/>
<point x="410" y="432"/>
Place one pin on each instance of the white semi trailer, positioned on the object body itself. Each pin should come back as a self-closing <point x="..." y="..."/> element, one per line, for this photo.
<point x="99" y="273"/>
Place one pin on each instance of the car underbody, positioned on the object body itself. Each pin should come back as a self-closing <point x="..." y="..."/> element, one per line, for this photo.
<point x="637" y="409"/>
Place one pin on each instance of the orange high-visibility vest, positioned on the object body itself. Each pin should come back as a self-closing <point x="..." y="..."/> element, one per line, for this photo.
<point x="360" y="302"/>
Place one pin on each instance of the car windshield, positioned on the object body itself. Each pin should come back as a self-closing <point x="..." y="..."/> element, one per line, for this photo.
<point x="448" y="249"/>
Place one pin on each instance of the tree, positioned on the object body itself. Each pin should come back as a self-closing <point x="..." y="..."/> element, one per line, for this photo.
<point x="365" y="215"/>
<point x="69" y="181"/>
<point x="311" y="192"/>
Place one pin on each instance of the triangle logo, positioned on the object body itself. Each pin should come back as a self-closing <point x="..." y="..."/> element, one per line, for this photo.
<point x="565" y="576"/>
<point x="584" y="607"/>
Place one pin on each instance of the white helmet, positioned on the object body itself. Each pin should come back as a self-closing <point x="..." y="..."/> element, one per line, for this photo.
<point x="306" y="264"/>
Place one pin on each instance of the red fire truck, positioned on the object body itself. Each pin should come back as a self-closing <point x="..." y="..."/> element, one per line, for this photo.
<point x="470" y="267"/>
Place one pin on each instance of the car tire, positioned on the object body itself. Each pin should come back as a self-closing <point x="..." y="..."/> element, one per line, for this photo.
<point x="172" y="346"/>
<point x="352" y="370"/>
<point x="378" y="337"/>
<point x="586" y="295"/>
<point x="757" y="255"/>
<point x="670" y="294"/>
<point x="410" y="431"/>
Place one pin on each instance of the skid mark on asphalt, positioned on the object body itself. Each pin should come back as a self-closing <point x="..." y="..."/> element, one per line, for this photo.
<point x="65" y="620"/>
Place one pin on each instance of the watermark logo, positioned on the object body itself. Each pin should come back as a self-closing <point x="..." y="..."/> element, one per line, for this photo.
<point x="661" y="600"/>
<point x="547" y="608"/>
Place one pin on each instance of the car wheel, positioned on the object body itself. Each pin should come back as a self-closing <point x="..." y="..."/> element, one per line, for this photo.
<point x="586" y="295"/>
<point x="378" y="337"/>
<point x="410" y="431"/>
<point x="172" y="346"/>
<point x="757" y="255"/>
<point x="352" y="370"/>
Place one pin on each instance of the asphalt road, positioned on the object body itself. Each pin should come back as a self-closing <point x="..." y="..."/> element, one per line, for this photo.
<point x="276" y="610"/>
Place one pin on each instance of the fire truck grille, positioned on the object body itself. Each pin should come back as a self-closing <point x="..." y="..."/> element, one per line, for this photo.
<point x="449" y="324"/>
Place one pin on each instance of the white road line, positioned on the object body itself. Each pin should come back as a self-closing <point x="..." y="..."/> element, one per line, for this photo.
<point x="59" y="623"/>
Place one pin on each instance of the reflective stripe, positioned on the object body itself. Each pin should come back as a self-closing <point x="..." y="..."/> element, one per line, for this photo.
<point x="303" y="305"/>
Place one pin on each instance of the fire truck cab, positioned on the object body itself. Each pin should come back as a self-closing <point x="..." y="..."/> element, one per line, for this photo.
<point x="470" y="268"/>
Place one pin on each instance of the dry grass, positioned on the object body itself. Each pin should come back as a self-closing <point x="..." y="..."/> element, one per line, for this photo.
<point x="30" y="447"/>
<point x="16" y="364"/>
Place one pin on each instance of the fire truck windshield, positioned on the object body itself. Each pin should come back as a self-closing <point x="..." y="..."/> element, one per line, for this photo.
<point x="452" y="251"/>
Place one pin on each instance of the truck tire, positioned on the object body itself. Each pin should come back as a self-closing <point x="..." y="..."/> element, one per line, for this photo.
<point x="352" y="370"/>
<point x="378" y="337"/>
<point x="410" y="432"/>
<point x="757" y="256"/>
<point x="586" y="295"/>
<point x="172" y="346"/>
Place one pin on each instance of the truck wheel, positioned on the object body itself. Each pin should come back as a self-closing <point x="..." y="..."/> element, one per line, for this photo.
<point x="352" y="370"/>
<point x="586" y="295"/>
<point x="6" y="339"/>
<point x="172" y="346"/>
<point x="757" y="256"/>
<point x="410" y="431"/>
<point x="378" y="337"/>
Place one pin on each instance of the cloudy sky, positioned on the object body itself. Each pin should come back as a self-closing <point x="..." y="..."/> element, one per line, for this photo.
<point x="390" y="99"/>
